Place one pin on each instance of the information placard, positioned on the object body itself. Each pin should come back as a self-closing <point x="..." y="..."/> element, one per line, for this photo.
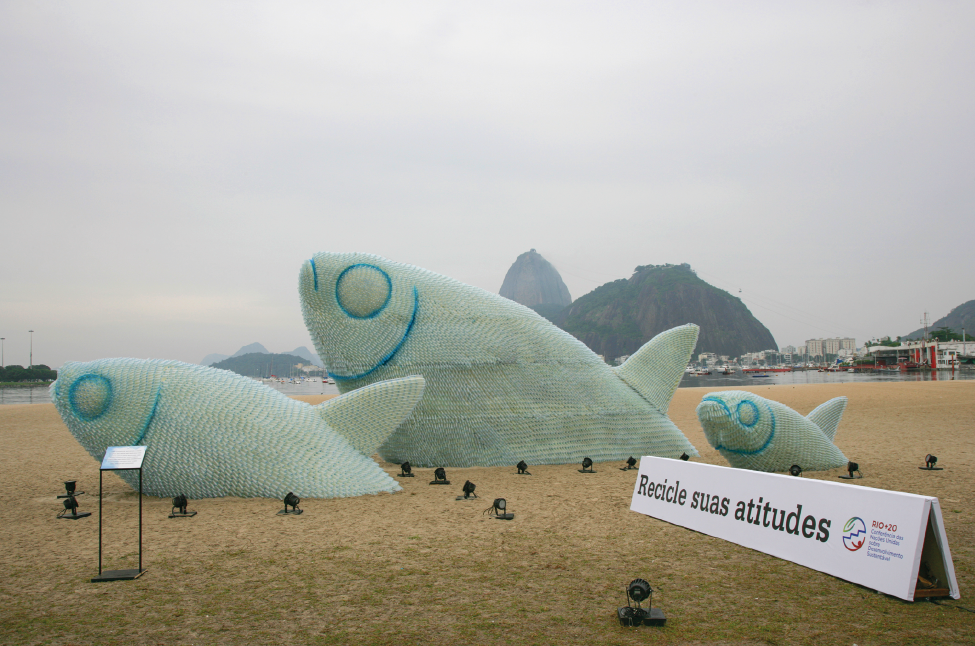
<point x="123" y="457"/>
<point x="868" y="536"/>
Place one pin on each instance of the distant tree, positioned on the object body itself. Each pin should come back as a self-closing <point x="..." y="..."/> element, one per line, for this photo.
<point x="944" y="334"/>
<point x="34" y="373"/>
<point x="41" y="372"/>
<point x="14" y="373"/>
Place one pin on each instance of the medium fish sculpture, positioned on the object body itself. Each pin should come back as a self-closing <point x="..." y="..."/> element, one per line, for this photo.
<point x="502" y="383"/>
<point x="214" y="433"/>
<point x="763" y="435"/>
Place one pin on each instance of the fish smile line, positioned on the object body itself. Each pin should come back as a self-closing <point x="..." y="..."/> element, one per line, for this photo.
<point x="720" y="446"/>
<point x="152" y="414"/>
<point x="382" y="362"/>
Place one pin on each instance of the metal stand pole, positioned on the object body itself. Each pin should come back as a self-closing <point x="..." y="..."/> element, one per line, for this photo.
<point x="100" y="473"/>
<point x="140" y="520"/>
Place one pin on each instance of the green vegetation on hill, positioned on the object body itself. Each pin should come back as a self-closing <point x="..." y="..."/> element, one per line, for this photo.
<point x="619" y="317"/>
<point x="945" y="334"/>
<point x="15" y="373"/>
<point x="259" y="364"/>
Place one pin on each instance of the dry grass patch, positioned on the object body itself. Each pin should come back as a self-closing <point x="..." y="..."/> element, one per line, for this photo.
<point x="420" y="567"/>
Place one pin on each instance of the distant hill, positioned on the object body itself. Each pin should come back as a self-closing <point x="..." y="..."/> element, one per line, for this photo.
<point x="250" y="349"/>
<point x="619" y="317"/>
<point x="305" y="353"/>
<point x="535" y="283"/>
<point x="962" y="316"/>
<point x="211" y="359"/>
<point x="257" y="348"/>
<point x="262" y="364"/>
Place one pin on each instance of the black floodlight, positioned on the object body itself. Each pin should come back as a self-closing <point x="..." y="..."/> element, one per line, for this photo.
<point x="629" y="615"/>
<point x="499" y="510"/>
<point x="685" y="457"/>
<point x="586" y="466"/>
<point x="639" y="590"/>
<point x="795" y="470"/>
<point x="406" y="470"/>
<point x="468" y="491"/>
<point x="179" y="508"/>
<point x="522" y="468"/>
<point x="69" y="489"/>
<point x="851" y="468"/>
<point x="292" y="501"/>
<point x="630" y="464"/>
<point x="71" y="502"/>
<point x="440" y="477"/>
<point x="929" y="462"/>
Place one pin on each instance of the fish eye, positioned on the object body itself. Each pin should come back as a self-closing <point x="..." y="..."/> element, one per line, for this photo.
<point x="90" y="396"/>
<point x="747" y="413"/>
<point x="362" y="291"/>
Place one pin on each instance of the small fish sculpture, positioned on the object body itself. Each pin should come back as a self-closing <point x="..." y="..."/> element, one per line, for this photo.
<point x="502" y="383"/>
<point x="214" y="433"/>
<point x="763" y="435"/>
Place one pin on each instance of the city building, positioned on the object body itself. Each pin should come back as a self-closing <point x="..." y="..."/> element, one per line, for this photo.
<point x="824" y="347"/>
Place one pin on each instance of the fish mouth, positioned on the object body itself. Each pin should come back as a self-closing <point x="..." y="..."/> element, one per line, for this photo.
<point x="392" y="353"/>
<point x="715" y="417"/>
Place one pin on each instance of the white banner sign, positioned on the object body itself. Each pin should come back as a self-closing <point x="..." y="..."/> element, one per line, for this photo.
<point x="123" y="457"/>
<point x="868" y="536"/>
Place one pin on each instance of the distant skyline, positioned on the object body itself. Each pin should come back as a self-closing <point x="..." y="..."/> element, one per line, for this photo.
<point x="167" y="168"/>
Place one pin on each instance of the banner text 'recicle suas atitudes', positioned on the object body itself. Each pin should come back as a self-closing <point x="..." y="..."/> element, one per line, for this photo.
<point x="768" y="516"/>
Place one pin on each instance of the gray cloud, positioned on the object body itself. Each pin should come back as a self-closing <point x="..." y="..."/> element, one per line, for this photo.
<point x="165" y="169"/>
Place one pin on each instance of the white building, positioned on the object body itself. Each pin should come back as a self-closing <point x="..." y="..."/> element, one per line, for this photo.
<point x="707" y="358"/>
<point x="816" y="347"/>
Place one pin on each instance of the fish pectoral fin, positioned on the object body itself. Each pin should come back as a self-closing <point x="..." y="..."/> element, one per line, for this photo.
<point x="366" y="417"/>
<point x="656" y="369"/>
<point x="827" y="416"/>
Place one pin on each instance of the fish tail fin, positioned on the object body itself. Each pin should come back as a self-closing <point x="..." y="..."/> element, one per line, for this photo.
<point x="827" y="416"/>
<point x="366" y="417"/>
<point x="656" y="369"/>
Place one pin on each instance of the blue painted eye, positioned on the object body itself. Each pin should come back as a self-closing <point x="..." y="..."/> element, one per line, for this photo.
<point x="362" y="291"/>
<point x="747" y="413"/>
<point x="90" y="396"/>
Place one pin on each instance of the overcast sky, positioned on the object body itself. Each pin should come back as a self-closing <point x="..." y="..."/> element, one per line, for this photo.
<point x="165" y="168"/>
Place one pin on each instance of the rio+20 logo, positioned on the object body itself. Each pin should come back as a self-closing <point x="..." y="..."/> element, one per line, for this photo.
<point x="854" y="534"/>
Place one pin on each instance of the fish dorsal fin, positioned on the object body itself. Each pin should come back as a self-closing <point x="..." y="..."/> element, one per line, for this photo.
<point x="827" y="416"/>
<point x="656" y="369"/>
<point x="369" y="415"/>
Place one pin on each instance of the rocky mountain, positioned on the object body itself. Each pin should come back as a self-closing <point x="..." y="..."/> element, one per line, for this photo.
<point x="960" y="317"/>
<point x="534" y="282"/>
<point x="618" y="317"/>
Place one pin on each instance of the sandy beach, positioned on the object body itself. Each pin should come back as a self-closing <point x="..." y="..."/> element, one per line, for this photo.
<point x="419" y="567"/>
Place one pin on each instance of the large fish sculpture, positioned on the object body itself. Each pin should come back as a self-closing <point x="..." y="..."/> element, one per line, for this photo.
<point x="214" y="433"/>
<point x="763" y="435"/>
<point x="502" y="383"/>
